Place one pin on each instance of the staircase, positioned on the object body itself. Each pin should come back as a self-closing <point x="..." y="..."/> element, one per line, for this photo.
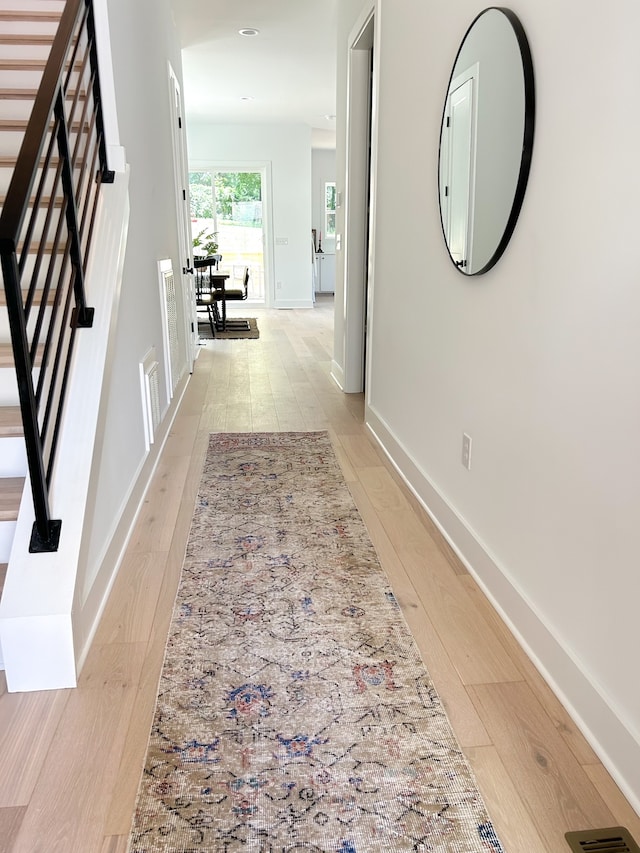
<point x="27" y="28"/>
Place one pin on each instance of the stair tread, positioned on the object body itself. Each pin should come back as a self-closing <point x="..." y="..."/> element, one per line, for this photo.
<point x="18" y="91"/>
<point x="26" y="38"/>
<point x="50" y="298"/>
<point x="30" y="15"/>
<point x="45" y="201"/>
<point x="7" y="162"/>
<point x="10" y="421"/>
<point x="6" y="355"/>
<point x="10" y="495"/>
<point x="15" y="94"/>
<point x="21" y="124"/>
<point x="18" y="94"/>
<point x="22" y="64"/>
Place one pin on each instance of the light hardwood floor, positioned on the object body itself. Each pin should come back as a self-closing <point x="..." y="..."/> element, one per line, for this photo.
<point x="70" y="760"/>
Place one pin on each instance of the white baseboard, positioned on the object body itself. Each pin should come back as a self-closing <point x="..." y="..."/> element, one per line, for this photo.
<point x="610" y="736"/>
<point x="337" y="374"/>
<point x="293" y="303"/>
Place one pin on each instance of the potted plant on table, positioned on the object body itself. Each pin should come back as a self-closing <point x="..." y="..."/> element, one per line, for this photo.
<point x="205" y="243"/>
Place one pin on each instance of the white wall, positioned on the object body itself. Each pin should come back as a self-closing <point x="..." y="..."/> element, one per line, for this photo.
<point x="287" y="148"/>
<point x="537" y="360"/>
<point x="323" y="169"/>
<point x="121" y="463"/>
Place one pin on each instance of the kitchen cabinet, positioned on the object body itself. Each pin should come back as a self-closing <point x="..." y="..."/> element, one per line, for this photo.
<point x="325" y="272"/>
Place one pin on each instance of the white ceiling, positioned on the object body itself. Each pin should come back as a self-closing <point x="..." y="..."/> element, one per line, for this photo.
<point x="288" y="70"/>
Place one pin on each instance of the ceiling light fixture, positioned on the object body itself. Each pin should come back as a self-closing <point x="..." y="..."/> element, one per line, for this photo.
<point x="248" y="31"/>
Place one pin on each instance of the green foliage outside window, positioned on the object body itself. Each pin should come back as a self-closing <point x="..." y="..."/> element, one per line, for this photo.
<point x="230" y="187"/>
<point x="330" y="209"/>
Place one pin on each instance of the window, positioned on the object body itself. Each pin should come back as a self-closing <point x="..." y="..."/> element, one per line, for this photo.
<point x="330" y="209"/>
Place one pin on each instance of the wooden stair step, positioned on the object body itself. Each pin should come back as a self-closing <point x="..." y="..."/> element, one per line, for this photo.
<point x="22" y="64"/>
<point x="6" y="355"/>
<point x="51" y="298"/>
<point x="30" y="16"/>
<point x="26" y="38"/>
<point x="10" y="422"/>
<point x="20" y="124"/>
<point x="45" y="202"/>
<point x="10" y="162"/>
<point x="18" y="94"/>
<point x="48" y="247"/>
<point x="10" y="496"/>
<point x="30" y="94"/>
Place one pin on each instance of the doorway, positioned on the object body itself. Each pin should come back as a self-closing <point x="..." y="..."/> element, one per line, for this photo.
<point x="359" y="215"/>
<point x="457" y="166"/>
<point x="230" y="203"/>
<point x="179" y="149"/>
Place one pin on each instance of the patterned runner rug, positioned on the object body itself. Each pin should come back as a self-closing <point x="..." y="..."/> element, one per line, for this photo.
<point x="294" y="712"/>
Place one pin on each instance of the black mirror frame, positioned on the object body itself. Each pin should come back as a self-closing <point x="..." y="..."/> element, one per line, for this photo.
<point x="527" y="136"/>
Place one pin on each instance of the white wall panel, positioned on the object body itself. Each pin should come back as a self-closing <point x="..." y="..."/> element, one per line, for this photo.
<point x="538" y="360"/>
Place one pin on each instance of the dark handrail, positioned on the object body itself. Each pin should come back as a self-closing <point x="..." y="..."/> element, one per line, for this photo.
<point x="63" y="143"/>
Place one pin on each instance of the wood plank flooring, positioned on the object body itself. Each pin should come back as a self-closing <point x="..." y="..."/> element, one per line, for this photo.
<point x="70" y="760"/>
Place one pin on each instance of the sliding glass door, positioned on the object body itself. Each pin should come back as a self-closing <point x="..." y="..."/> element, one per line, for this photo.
<point x="229" y="204"/>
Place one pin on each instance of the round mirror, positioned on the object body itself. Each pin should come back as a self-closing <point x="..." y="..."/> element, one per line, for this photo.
<point x="486" y="140"/>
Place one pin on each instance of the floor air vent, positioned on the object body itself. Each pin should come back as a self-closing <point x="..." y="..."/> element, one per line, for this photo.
<point x="613" y="839"/>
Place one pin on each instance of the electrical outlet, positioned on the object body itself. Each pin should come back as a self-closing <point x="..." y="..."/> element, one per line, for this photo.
<point x="466" y="451"/>
<point x="278" y="285"/>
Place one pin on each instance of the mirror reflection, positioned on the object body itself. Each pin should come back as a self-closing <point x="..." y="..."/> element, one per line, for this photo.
<point x="486" y="140"/>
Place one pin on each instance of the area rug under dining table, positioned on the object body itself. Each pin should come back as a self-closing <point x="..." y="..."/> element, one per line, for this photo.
<point x="237" y="328"/>
<point x="294" y="712"/>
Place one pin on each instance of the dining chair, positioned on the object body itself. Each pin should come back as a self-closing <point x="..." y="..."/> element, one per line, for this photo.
<point x="206" y="292"/>
<point x="233" y="294"/>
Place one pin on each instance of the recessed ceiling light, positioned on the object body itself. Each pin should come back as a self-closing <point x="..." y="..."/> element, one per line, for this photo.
<point x="246" y="98"/>
<point x="248" y="31"/>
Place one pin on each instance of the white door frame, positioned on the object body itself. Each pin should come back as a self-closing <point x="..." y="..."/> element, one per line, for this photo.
<point x="450" y="176"/>
<point x="264" y="167"/>
<point x="360" y="194"/>
<point x="183" y="212"/>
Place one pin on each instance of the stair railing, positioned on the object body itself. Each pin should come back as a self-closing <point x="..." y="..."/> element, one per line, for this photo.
<point x="45" y="233"/>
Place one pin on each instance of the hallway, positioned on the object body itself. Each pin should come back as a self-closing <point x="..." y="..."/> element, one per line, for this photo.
<point x="71" y="759"/>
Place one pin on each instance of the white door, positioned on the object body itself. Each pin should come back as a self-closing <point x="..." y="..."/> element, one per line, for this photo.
<point x="185" y="241"/>
<point x="459" y="165"/>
